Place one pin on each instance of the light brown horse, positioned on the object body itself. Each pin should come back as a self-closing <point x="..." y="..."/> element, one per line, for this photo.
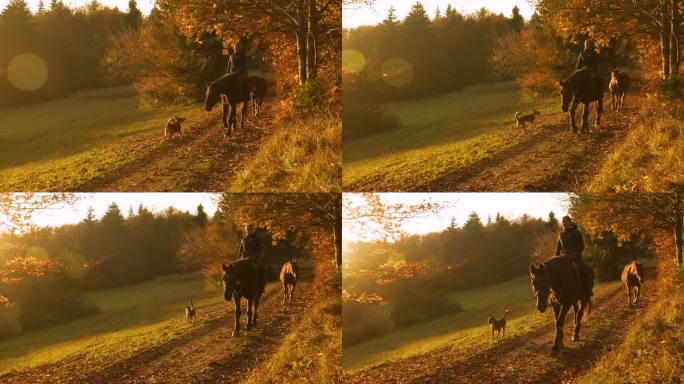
<point x="633" y="278"/>
<point x="257" y="92"/>
<point x="289" y="274"/>
<point x="619" y="86"/>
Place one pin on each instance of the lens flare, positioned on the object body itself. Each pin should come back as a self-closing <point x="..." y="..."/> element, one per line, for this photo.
<point x="397" y="72"/>
<point x="27" y="72"/>
<point x="353" y="60"/>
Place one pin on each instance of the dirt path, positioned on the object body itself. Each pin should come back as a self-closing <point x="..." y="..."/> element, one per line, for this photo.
<point x="525" y="359"/>
<point x="205" y="355"/>
<point x="549" y="158"/>
<point x="203" y="161"/>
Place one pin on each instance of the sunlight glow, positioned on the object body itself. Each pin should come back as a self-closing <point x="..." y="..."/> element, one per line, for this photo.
<point x="27" y="72"/>
<point x="358" y="15"/>
<point x="460" y="206"/>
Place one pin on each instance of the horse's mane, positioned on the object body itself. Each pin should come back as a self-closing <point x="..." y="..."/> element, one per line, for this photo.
<point x="577" y="74"/>
<point x="225" y="77"/>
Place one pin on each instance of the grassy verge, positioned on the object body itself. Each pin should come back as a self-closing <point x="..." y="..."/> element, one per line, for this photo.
<point x="465" y="331"/>
<point x="653" y="350"/>
<point x="130" y="319"/>
<point x="311" y="353"/>
<point x="651" y="158"/>
<point x="303" y="156"/>
<point x="62" y="143"/>
<point x="438" y="135"/>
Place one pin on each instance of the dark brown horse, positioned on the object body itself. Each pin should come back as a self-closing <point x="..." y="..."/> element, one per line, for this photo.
<point x="289" y="274"/>
<point x="257" y="92"/>
<point x="556" y="280"/>
<point x="241" y="279"/>
<point x="582" y="87"/>
<point x="633" y="277"/>
<point x="231" y="90"/>
<point x="619" y="86"/>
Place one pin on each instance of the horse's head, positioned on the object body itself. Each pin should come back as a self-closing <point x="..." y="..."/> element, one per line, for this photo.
<point x="640" y="272"/>
<point x="566" y="94"/>
<point x="230" y="283"/>
<point x="540" y="286"/>
<point x="212" y="96"/>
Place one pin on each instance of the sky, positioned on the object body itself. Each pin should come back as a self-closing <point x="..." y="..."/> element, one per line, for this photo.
<point x="144" y="5"/>
<point x="156" y="202"/>
<point x="461" y="205"/>
<point x="370" y="15"/>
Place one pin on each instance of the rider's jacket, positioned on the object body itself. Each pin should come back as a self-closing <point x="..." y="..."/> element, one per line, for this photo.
<point x="570" y="242"/>
<point x="589" y="58"/>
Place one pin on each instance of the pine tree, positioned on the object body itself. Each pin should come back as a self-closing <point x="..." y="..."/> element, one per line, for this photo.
<point x="16" y="13"/>
<point x="201" y="219"/>
<point x="517" y="22"/>
<point x="438" y="14"/>
<point x="417" y="16"/>
<point x="133" y="17"/>
<point x="41" y="7"/>
<point x="90" y="217"/>
<point x="391" y="17"/>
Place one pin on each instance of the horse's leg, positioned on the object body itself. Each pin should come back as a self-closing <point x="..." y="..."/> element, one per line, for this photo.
<point x="585" y="118"/>
<point x="638" y="293"/>
<point x="578" y="319"/>
<point x="250" y="305"/>
<point x="236" y="329"/>
<point x="629" y="294"/>
<point x="573" y="111"/>
<point x="245" y="108"/>
<point x="599" y="111"/>
<point x="232" y="119"/>
<point x="292" y="291"/>
<point x="224" y="119"/>
<point x="284" y="293"/>
<point x="558" y="340"/>
<point x="256" y="308"/>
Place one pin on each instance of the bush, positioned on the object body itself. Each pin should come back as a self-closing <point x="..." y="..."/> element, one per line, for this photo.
<point x="363" y="321"/>
<point x="416" y="301"/>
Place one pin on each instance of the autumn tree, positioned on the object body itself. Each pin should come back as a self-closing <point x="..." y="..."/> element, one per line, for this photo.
<point x="654" y="21"/>
<point x="628" y="213"/>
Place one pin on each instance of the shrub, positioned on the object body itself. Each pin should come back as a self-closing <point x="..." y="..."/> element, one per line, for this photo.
<point x="363" y="321"/>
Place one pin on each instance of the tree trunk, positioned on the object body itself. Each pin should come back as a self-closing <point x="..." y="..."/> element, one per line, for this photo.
<point x="676" y="31"/>
<point x="665" y="41"/>
<point x="679" y="228"/>
<point x="312" y="36"/>
<point x="337" y="233"/>
<point x="301" y="41"/>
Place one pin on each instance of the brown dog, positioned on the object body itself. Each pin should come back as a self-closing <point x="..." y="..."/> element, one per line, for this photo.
<point x="190" y="312"/>
<point x="523" y="120"/>
<point x="498" y="325"/>
<point x="173" y="128"/>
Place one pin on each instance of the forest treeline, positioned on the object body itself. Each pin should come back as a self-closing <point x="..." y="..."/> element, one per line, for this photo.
<point x="388" y="285"/>
<point x="44" y="272"/>
<point x="169" y="54"/>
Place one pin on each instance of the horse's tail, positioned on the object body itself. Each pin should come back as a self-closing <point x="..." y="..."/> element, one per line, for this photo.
<point x="517" y="115"/>
<point x="587" y="310"/>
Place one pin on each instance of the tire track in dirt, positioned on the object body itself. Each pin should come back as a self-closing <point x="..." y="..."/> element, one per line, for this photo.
<point x="552" y="159"/>
<point x="524" y="359"/>
<point x="203" y="161"/>
<point x="207" y="354"/>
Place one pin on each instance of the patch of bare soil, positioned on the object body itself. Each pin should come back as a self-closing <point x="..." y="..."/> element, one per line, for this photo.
<point x="551" y="158"/>
<point x="204" y="161"/>
<point x="523" y="359"/>
<point x="205" y="355"/>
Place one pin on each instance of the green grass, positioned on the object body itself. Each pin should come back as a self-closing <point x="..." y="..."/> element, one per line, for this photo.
<point x="311" y="353"/>
<point x="130" y="319"/>
<point x="439" y="134"/>
<point x="466" y="329"/>
<point x="59" y="144"/>
<point x="304" y="156"/>
<point x="651" y="159"/>
<point x="653" y="350"/>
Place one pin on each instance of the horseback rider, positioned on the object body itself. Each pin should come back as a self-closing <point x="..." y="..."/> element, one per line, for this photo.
<point x="237" y="63"/>
<point x="589" y="59"/>
<point x="251" y="248"/>
<point x="571" y="244"/>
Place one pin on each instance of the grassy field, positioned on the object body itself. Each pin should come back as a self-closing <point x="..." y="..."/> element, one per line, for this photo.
<point x="466" y="330"/>
<point x="438" y="134"/>
<point x="130" y="319"/>
<point x="62" y="143"/>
